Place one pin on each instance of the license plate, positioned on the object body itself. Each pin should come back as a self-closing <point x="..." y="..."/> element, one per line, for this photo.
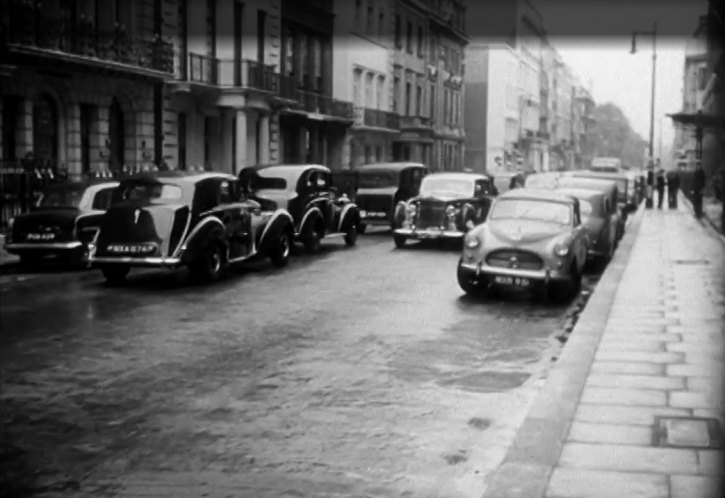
<point x="363" y="214"/>
<point x="41" y="236"/>
<point x="427" y="235"/>
<point x="515" y="281"/>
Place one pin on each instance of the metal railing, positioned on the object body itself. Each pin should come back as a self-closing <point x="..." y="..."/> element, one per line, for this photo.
<point x="28" y="25"/>
<point x="203" y="69"/>
<point x="379" y="118"/>
<point x="414" y="121"/>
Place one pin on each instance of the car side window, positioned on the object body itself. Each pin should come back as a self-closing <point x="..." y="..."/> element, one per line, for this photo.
<point x="576" y="218"/>
<point x="206" y="196"/>
<point x="227" y="192"/>
<point x="102" y="199"/>
<point x="607" y="206"/>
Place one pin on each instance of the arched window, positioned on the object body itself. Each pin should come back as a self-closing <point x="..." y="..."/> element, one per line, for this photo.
<point x="116" y="135"/>
<point x="45" y="129"/>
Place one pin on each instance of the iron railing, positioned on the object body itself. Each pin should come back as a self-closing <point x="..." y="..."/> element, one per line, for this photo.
<point x="379" y="118"/>
<point x="203" y="69"/>
<point x="415" y="122"/>
<point x="28" y="25"/>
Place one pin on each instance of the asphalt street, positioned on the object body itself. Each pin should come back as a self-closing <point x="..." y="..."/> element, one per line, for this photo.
<point x="360" y="371"/>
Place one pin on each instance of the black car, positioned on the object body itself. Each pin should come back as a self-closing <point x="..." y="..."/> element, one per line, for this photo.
<point x="447" y="206"/>
<point x="380" y="187"/>
<point x="62" y="223"/>
<point x="201" y="220"/>
<point x="307" y="192"/>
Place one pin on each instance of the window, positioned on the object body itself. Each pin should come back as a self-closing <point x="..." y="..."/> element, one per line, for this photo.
<point x="102" y="199"/>
<point x="378" y="153"/>
<point x="419" y="101"/>
<point x="87" y="112"/>
<point x="10" y="120"/>
<point x="396" y="93"/>
<point x="420" y="41"/>
<point x="288" y="67"/>
<point x="398" y="35"/>
<point x="181" y="144"/>
<point x="702" y="78"/>
<point x="407" y="99"/>
<point x="302" y="60"/>
<point x="446" y="94"/>
<point x="379" y="92"/>
<point x="368" y="154"/>
<point x="369" y="81"/>
<point x="381" y="22"/>
<point x="261" y="25"/>
<point x="356" y="81"/>
<point x="432" y="101"/>
<point x="409" y="38"/>
<point x="61" y="197"/>
<point x="45" y="128"/>
<point x="317" y="63"/>
<point x="358" y="14"/>
<point x="151" y="192"/>
<point x="370" y="18"/>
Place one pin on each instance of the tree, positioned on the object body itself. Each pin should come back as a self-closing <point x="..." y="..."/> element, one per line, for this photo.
<point x="612" y="136"/>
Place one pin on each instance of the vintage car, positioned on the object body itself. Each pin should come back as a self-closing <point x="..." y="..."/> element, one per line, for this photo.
<point x="543" y="180"/>
<point x="532" y="239"/>
<point x="447" y="206"/>
<point x="64" y="220"/>
<point x="306" y="191"/>
<point x="627" y="193"/>
<point x="196" y="219"/>
<point x="608" y="187"/>
<point x="380" y="187"/>
<point x="600" y="219"/>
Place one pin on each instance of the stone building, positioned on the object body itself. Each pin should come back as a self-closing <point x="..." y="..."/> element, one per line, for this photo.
<point x="83" y="86"/>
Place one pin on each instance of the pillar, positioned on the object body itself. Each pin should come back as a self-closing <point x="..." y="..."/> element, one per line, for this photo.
<point x="264" y="140"/>
<point x="241" y="139"/>
<point x="74" y="140"/>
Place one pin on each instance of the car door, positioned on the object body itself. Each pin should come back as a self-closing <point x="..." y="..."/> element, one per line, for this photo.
<point x="482" y="201"/>
<point x="236" y="216"/>
<point x="580" y="239"/>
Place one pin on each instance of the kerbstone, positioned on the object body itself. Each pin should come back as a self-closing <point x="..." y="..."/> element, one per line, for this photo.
<point x="635" y="381"/>
<point x="623" y="396"/>
<point x="585" y="432"/>
<point x="579" y="483"/>
<point x="687" y="486"/>
<point x="629" y="458"/>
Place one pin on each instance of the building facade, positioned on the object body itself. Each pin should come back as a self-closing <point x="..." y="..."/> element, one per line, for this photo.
<point x="82" y="86"/>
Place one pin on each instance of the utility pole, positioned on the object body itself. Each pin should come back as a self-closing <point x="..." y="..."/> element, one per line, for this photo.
<point x="653" y="33"/>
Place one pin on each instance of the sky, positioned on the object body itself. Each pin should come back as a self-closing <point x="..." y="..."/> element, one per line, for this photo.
<point x="595" y="39"/>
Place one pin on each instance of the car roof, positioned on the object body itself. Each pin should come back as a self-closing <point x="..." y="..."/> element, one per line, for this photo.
<point x="598" y="174"/>
<point x="67" y="184"/>
<point x="537" y="194"/>
<point x="177" y="177"/>
<point x="583" y="181"/>
<point x="390" y="166"/>
<point x="581" y="193"/>
<point x="458" y="175"/>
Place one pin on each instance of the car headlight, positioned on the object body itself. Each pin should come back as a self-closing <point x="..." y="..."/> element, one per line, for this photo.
<point x="451" y="211"/>
<point x="561" y="250"/>
<point x="472" y="242"/>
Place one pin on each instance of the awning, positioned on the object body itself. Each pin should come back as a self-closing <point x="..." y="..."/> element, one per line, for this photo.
<point x="698" y="119"/>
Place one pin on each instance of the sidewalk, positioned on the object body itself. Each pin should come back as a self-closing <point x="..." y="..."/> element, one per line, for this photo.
<point x="5" y="257"/>
<point x="634" y="406"/>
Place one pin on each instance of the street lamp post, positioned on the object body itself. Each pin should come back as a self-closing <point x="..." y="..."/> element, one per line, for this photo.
<point x="653" y="33"/>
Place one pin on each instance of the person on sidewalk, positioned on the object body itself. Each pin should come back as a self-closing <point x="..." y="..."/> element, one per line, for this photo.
<point x="673" y="186"/>
<point x="698" y="188"/>
<point x="660" y="188"/>
<point x="649" y="189"/>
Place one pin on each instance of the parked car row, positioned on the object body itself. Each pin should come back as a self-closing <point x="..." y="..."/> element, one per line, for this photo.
<point x="539" y="236"/>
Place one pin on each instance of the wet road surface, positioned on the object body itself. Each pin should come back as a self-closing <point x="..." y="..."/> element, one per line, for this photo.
<point x="361" y="371"/>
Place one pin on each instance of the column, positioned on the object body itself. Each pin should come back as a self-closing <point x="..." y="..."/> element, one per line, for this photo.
<point x="73" y="131"/>
<point x="99" y="135"/>
<point x="241" y="139"/>
<point x="264" y="139"/>
<point x="24" y="133"/>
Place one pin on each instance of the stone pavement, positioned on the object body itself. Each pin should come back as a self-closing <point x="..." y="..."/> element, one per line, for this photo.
<point x="647" y="419"/>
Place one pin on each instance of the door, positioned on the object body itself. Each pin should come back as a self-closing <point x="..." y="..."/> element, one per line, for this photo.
<point x="116" y="134"/>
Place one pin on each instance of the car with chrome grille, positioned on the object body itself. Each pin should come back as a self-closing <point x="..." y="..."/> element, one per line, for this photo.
<point x="62" y="222"/>
<point x="307" y="192"/>
<point x="202" y="220"/>
<point x="532" y="239"/>
<point x="447" y="206"/>
<point x="381" y="186"/>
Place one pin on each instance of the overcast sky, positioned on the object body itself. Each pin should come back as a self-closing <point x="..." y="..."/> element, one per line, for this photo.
<point x="594" y="38"/>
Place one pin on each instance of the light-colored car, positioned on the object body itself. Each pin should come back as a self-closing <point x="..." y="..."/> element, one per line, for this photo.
<point x="600" y="219"/>
<point x="532" y="239"/>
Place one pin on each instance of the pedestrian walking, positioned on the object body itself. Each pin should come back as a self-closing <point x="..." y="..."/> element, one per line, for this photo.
<point x="649" y="189"/>
<point x="673" y="186"/>
<point x="698" y="187"/>
<point x="660" y="188"/>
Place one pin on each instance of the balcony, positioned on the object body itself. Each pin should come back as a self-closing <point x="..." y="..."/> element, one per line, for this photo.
<point x="321" y="104"/>
<point x="32" y="32"/>
<point x="377" y="118"/>
<point x="225" y="73"/>
<point x="415" y="122"/>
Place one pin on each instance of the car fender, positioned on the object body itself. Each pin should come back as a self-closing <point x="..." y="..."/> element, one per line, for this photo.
<point x="207" y="229"/>
<point x="280" y="220"/>
<point x="313" y="216"/>
<point x="87" y="225"/>
<point x="350" y="212"/>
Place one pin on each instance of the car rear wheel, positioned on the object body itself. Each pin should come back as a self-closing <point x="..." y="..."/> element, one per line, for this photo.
<point x="361" y="228"/>
<point x="400" y="240"/>
<point x="560" y="292"/>
<point x="351" y="235"/>
<point x="209" y="267"/>
<point x="311" y="241"/>
<point x="279" y="255"/>
<point x="116" y="274"/>
<point x="30" y="260"/>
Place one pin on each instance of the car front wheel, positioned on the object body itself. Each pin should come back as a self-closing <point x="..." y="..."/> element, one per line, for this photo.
<point x="469" y="283"/>
<point x="279" y="255"/>
<point x="400" y="240"/>
<point x="115" y="275"/>
<point x="351" y="235"/>
<point x="561" y="292"/>
<point x="311" y="241"/>
<point x="209" y="267"/>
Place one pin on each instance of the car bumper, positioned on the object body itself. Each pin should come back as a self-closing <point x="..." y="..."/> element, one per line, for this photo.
<point x="545" y="275"/>
<point x="132" y="261"/>
<point x="17" y="248"/>
<point x="428" y="234"/>
<point x="375" y="221"/>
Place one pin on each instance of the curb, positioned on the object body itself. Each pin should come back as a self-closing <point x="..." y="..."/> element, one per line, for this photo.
<point x="530" y="461"/>
<point x="709" y="224"/>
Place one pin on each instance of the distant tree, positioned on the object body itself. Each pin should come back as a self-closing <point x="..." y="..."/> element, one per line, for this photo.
<point x="611" y="135"/>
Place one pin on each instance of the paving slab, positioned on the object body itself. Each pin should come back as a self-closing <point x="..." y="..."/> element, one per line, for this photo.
<point x="628" y="368"/>
<point x="635" y="415"/>
<point x="637" y="356"/>
<point x="629" y="458"/>
<point x="710" y="462"/>
<point x="585" y="432"/>
<point x="636" y="381"/>
<point x="632" y="344"/>
<point x="580" y="483"/>
<point x="624" y="396"/>
<point x="690" y="370"/>
<point x="689" y="486"/>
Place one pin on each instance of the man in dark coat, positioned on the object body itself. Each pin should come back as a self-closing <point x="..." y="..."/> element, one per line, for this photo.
<point x="649" y="188"/>
<point x="698" y="187"/>
<point x="673" y="185"/>
<point x="660" y="188"/>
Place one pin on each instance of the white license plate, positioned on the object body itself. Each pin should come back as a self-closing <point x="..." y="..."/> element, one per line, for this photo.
<point x="515" y="281"/>
<point x="41" y="236"/>
<point x="363" y="214"/>
<point x="427" y="235"/>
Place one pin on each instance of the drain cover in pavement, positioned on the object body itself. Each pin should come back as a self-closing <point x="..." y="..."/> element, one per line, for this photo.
<point x="692" y="262"/>
<point x="688" y="432"/>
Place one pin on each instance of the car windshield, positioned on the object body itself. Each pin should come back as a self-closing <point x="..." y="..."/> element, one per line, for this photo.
<point x="585" y="208"/>
<point x="541" y="181"/>
<point x="151" y="192"/>
<point x="61" y="197"/>
<point x="377" y="179"/>
<point x="530" y="209"/>
<point x="265" y="183"/>
<point x="446" y="187"/>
